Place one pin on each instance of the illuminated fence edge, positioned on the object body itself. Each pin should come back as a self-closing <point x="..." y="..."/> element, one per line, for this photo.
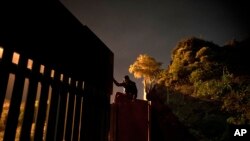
<point x="58" y="96"/>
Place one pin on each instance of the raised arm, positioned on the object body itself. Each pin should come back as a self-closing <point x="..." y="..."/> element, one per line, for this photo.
<point x="117" y="83"/>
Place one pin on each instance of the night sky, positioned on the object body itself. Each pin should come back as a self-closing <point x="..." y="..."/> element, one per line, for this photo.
<point x="154" y="27"/>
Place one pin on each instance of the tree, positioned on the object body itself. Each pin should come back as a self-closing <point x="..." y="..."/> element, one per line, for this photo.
<point x="146" y="67"/>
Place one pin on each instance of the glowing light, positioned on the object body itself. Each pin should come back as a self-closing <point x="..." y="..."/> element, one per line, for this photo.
<point x="1" y="52"/>
<point x="61" y="77"/>
<point x="52" y="74"/>
<point x="30" y="64"/>
<point x="83" y="85"/>
<point x="15" y="58"/>
<point x="69" y="80"/>
<point x="76" y="83"/>
<point x="42" y="69"/>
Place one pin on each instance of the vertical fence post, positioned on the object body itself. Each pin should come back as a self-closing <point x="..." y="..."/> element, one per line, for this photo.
<point x="16" y="98"/>
<point x="30" y="103"/>
<point x="70" y="112"/>
<point x="41" y="115"/>
<point x="89" y="120"/>
<point x="51" y="125"/>
<point x="5" y="63"/>
<point x="77" y="111"/>
<point x="83" y="118"/>
<point x="62" y="109"/>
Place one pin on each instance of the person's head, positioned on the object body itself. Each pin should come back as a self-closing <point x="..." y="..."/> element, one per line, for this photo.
<point x="126" y="78"/>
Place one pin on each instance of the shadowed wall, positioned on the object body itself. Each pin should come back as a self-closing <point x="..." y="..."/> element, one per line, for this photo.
<point x="49" y="35"/>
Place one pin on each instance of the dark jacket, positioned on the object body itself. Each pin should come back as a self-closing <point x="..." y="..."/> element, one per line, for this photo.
<point x="129" y="86"/>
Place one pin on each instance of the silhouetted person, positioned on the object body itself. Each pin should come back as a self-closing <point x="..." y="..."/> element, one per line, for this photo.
<point x="130" y="90"/>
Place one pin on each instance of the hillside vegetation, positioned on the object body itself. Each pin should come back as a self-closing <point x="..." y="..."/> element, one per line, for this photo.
<point x="206" y="85"/>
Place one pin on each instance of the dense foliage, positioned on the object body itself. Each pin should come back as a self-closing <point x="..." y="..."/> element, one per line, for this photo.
<point x="208" y="86"/>
<point x="214" y="73"/>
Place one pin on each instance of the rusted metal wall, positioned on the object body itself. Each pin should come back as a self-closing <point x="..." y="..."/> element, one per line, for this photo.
<point x="130" y="121"/>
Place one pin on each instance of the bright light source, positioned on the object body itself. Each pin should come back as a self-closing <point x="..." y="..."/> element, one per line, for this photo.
<point x="69" y="80"/>
<point x="1" y="52"/>
<point x="15" y="58"/>
<point x="30" y="64"/>
<point x="42" y="69"/>
<point x="61" y="77"/>
<point x="52" y="74"/>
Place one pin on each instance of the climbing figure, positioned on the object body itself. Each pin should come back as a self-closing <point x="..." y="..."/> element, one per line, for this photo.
<point x="130" y="90"/>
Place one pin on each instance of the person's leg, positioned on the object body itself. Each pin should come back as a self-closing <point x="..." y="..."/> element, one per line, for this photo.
<point x="118" y="97"/>
<point x="131" y="97"/>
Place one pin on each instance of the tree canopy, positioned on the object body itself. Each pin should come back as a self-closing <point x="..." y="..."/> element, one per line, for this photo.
<point x="146" y="67"/>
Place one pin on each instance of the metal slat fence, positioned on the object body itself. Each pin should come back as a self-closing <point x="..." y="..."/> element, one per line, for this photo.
<point x="52" y="111"/>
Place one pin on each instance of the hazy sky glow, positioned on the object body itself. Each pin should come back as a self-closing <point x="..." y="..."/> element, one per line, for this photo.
<point x="133" y="27"/>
